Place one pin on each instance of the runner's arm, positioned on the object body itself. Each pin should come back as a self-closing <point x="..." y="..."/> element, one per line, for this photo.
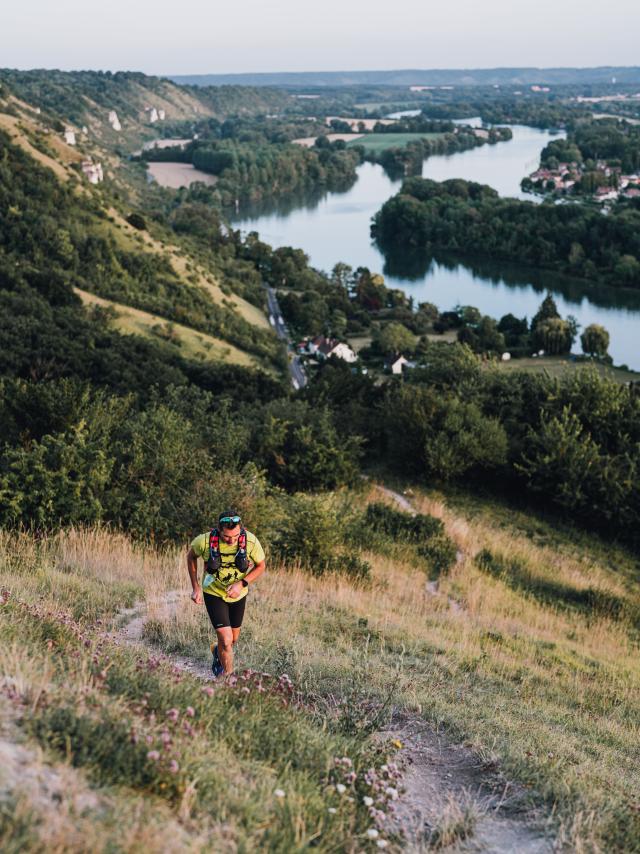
<point x="255" y="573"/>
<point x="192" y="566"/>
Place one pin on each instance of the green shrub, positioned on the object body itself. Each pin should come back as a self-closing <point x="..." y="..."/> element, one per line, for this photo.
<point x="310" y="533"/>
<point x="395" y="523"/>
<point x="440" y="552"/>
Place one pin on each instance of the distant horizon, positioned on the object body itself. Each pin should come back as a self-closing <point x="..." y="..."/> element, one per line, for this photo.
<point x="251" y="37"/>
<point x="341" y="70"/>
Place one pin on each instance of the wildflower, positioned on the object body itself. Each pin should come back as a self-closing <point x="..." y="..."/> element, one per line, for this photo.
<point x="173" y="715"/>
<point x="397" y="743"/>
<point x="208" y="691"/>
<point x="372" y="833"/>
<point x="341" y="788"/>
<point x="351" y="777"/>
<point x="367" y="801"/>
<point x="174" y="767"/>
<point x="393" y="793"/>
<point x="382" y="843"/>
<point x="153" y="755"/>
<point x="190" y="712"/>
<point x="279" y="793"/>
<point x="332" y="810"/>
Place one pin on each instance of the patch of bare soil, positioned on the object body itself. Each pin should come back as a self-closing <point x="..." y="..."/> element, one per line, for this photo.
<point x="176" y="175"/>
<point x="453" y="799"/>
<point x="132" y="631"/>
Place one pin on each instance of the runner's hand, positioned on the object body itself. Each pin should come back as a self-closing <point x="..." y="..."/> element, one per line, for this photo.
<point x="235" y="590"/>
<point x="196" y="596"/>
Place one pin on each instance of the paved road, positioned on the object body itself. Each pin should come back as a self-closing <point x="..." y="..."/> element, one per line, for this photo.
<point x="298" y="376"/>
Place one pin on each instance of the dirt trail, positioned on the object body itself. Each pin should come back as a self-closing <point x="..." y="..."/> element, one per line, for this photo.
<point x="451" y="799"/>
<point x="447" y="786"/>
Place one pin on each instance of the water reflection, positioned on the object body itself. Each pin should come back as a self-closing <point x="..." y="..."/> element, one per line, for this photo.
<point x="304" y="198"/>
<point x="415" y="265"/>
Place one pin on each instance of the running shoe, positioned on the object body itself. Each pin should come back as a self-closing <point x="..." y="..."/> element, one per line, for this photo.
<point x="216" y="665"/>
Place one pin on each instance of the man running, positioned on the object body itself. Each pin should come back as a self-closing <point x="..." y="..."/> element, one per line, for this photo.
<point x="233" y="559"/>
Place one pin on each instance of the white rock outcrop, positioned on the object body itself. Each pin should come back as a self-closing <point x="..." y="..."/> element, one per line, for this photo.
<point x="92" y="171"/>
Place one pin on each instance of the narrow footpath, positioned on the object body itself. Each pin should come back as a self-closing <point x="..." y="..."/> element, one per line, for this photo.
<point x="451" y="798"/>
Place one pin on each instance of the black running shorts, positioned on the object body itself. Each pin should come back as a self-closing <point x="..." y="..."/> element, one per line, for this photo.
<point x="223" y="613"/>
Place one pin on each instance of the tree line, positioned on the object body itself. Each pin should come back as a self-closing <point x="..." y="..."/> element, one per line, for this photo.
<point x="463" y="216"/>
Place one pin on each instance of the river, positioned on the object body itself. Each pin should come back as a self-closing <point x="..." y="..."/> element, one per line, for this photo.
<point x="333" y="227"/>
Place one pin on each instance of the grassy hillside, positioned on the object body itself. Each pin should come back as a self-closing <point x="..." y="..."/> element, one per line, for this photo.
<point x="62" y="225"/>
<point x="526" y="651"/>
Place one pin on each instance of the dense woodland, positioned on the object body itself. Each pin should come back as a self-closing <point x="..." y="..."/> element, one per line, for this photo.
<point x="253" y="158"/>
<point x="467" y="217"/>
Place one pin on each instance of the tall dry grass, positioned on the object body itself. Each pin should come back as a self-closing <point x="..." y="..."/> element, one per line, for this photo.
<point x="550" y="692"/>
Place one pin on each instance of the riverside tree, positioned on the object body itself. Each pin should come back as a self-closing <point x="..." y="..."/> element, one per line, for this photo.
<point x="595" y="340"/>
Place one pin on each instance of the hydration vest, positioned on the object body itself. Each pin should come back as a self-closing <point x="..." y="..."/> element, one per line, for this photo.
<point x="214" y="562"/>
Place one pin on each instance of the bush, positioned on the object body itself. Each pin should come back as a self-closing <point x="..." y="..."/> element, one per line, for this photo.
<point x="310" y="534"/>
<point x="441" y="554"/>
<point x="137" y="221"/>
<point x="395" y="523"/>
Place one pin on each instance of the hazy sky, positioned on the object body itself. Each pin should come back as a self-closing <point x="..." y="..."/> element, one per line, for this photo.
<point x="200" y="36"/>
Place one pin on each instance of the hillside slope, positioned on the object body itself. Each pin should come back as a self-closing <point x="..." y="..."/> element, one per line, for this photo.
<point x="534" y="670"/>
<point x="85" y="98"/>
<point x="65" y="228"/>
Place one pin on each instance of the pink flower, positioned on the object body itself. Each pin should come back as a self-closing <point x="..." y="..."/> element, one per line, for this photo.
<point x="208" y="691"/>
<point x="174" y="767"/>
<point x="153" y="756"/>
<point x="173" y="715"/>
<point x="190" y="712"/>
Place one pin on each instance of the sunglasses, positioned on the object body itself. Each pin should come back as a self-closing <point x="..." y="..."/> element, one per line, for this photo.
<point x="230" y="521"/>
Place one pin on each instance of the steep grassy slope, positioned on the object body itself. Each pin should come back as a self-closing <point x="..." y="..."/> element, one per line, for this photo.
<point x="58" y="224"/>
<point x="545" y="688"/>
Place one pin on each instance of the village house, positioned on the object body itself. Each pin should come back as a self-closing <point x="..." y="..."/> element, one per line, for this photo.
<point x="324" y="348"/>
<point x="70" y="136"/>
<point x="398" y="363"/>
<point x="114" y="121"/>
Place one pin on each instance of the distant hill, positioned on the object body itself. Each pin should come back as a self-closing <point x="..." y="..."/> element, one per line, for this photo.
<point x="141" y="102"/>
<point x="421" y="77"/>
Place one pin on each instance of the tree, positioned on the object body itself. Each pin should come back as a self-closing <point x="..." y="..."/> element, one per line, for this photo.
<point x="595" y="340"/>
<point x="554" y="336"/>
<point x="395" y="338"/>
<point x="548" y="310"/>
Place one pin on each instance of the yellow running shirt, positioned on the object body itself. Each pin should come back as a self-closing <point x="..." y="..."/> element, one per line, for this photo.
<point x="228" y="574"/>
